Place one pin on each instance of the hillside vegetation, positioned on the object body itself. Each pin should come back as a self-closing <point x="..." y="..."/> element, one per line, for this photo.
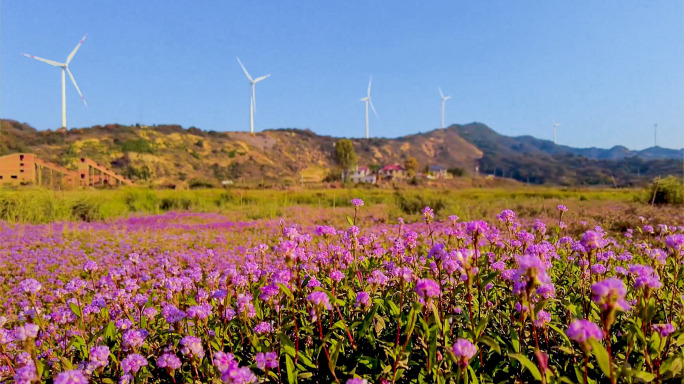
<point x="171" y="155"/>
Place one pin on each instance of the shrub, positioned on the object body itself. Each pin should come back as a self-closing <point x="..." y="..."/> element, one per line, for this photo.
<point x="666" y="191"/>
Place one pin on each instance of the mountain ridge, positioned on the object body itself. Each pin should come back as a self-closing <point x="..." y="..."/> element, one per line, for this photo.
<point x="169" y="154"/>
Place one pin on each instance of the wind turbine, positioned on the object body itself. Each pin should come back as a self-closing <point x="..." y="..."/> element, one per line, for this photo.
<point x="444" y="99"/>
<point x="65" y="70"/>
<point x="252" y="102"/>
<point x="555" y="129"/>
<point x="368" y="101"/>
<point x="655" y="135"/>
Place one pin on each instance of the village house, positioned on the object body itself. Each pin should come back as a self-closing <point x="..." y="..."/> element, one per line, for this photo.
<point x="359" y="174"/>
<point x="436" y="172"/>
<point x="392" y="172"/>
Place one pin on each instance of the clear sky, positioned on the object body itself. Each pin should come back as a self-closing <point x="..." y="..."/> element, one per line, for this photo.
<point x="606" y="70"/>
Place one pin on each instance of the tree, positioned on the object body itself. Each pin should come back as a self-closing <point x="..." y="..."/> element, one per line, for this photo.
<point x="411" y="165"/>
<point x="345" y="154"/>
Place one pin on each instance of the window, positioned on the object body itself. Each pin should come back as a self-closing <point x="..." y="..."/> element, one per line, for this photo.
<point x="14" y="176"/>
<point x="21" y="164"/>
<point x="21" y="157"/>
<point x="82" y="175"/>
<point x="21" y="171"/>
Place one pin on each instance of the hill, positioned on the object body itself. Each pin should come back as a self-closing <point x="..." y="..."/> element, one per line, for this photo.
<point x="170" y="154"/>
<point x="529" y="159"/>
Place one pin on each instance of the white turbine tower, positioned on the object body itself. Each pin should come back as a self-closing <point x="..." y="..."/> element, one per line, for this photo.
<point x="444" y="99"/>
<point x="368" y="101"/>
<point x="252" y="102"/>
<point x="65" y="70"/>
<point x="555" y="129"/>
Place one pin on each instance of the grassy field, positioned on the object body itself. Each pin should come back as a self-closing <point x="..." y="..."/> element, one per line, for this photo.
<point x="44" y="206"/>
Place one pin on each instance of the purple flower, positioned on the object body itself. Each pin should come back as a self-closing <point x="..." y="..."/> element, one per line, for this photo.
<point x="592" y="240"/>
<point x="70" y="377"/>
<point x="134" y="338"/>
<point x="583" y="330"/>
<point x="562" y="208"/>
<point x="269" y="291"/>
<point x="543" y="317"/>
<point x="262" y="327"/>
<point x="506" y="216"/>
<point x="99" y="356"/>
<point x="663" y="329"/>
<point x="132" y="363"/>
<point x="169" y="361"/>
<point x="464" y="350"/>
<point x="357" y="203"/>
<point x="266" y="360"/>
<point x="362" y="299"/>
<point x="319" y="300"/>
<point x="609" y="294"/>
<point x="676" y="242"/>
<point x="428" y="214"/>
<point x="238" y="375"/>
<point x="192" y="346"/>
<point x="357" y="380"/>
<point x="426" y="288"/>
<point x="224" y="361"/>
<point x="25" y="374"/>
<point x="336" y="275"/>
<point x="30" y="286"/>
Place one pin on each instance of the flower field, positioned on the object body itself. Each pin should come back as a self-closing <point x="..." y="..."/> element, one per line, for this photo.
<point x="195" y="297"/>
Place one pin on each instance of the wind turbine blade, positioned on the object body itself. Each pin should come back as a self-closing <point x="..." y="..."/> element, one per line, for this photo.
<point x="447" y="98"/>
<point x="440" y="92"/>
<point x="369" y="85"/>
<point x="246" y="73"/>
<point x="76" y="85"/>
<point x="372" y="107"/>
<point x="51" y="62"/>
<point x="364" y="99"/>
<point x="71" y="55"/>
<point x="262" y="78"/>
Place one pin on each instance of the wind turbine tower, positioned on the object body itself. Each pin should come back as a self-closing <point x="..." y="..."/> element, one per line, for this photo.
<point x="252" y="101"/>
<point x="368" y="101"/>
<point x="555" y="130"/>
<point x="655" y="135"/>
<point x="444" y="99"/>
<point x="65" y="70"/>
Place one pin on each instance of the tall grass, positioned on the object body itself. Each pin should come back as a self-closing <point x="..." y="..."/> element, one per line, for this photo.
<point x="34" y="205"/>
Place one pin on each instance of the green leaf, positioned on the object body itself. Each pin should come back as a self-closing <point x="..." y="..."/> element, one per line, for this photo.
<point x="110" y="331"/>
<point x="432" y="352"/>
<point x="645" y="376"/>
<point x="335" y="353"/>
<point x="291" y="375"/>
<point x="435" y="312"/>
<point x="66" y="364"/>
<point x="473" y="376"/>
<point x="491" y="343"/>
<point x="527" y="363"/>
<point x="394" y="310"/>
<point x="561" y="333"/>
<point x="286" y="290"/>
<point x="601" y="355"/>
<point x="365" y="324"/>
<point x="75" y="309"/>
<point x="350" y="221"/>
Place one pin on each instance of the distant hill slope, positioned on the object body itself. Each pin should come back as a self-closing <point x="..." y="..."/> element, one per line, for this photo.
<point x="533" y="160"/>
<point x="170" y="154"/>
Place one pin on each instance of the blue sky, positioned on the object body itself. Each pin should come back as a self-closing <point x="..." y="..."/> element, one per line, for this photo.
<point x="606" y="70"/>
